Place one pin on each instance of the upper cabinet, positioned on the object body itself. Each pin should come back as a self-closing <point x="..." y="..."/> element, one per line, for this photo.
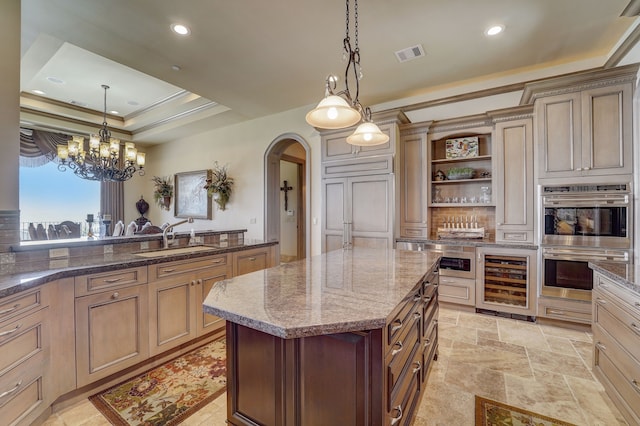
<point x="413" y="178"/>
<point x="513" y="137"/>
<point x="584" y="123"/>
<point x="335" y="146"/>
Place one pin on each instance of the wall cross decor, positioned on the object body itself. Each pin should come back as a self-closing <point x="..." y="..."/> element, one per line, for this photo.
<point x="286" y="189"/>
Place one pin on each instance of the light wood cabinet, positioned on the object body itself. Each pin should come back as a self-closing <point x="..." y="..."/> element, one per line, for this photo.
<point x="585" y="133"/>
<point x="176" y="294"/>
<point x="358" y="212"/>
<point x="616" y="337"/>
<point x="506" y="280"/>
<point x="252" y="260"/>
<point x="514" y="196"/>
<point x="413" y="182"/>
<point x="335" y="146"/>
<point x="112" y="332"/>
<point x="461" y="291"/>
<point x="26" y="387"/>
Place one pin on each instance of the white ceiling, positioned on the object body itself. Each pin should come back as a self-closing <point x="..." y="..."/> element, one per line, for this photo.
<point x="247" y="59"/>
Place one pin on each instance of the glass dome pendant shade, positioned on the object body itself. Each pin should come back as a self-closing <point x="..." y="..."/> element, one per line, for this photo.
<point x="368" y="134"/>
<point x="333" y="112"/>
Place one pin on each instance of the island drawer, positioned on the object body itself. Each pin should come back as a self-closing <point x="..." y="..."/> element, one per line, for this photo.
<point x="618" y="322"/>
<point x="23" y="302"/>
<point x="429" y="348"/>
<point x="403" y="316"/>
<point x="399" y="361"/>
<point x="405" y="403"/>
<point x="169" y="269"/>
<point x="106" y="281"/>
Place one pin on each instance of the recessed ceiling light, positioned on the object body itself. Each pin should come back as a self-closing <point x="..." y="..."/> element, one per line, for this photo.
<point x="38" y="92"/>
<point x="176" y="67"/>
<point x="55" y="80"/>
<point x="494" y="30"/>
<point x="180" y="29"/>
<point x="113" y="111"/>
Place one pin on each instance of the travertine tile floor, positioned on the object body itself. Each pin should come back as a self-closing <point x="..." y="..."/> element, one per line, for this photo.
<point x="542" y="368"/>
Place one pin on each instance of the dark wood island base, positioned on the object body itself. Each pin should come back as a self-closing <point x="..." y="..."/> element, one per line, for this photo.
<point x="369" y="378"/>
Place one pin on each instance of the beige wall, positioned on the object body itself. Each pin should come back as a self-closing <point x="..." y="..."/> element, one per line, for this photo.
<point x="242" y="147"/>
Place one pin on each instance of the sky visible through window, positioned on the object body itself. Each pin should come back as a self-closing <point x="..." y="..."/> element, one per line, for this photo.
<point x="51" y="196"/>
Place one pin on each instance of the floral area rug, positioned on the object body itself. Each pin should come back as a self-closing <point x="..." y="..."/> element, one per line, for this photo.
<point x="168" y="394"/>
<point x="494" y="413"/>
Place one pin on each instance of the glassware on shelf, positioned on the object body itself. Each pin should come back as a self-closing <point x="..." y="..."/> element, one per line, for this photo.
<point x="437" y="196"/>
<point x="485" y="194"/>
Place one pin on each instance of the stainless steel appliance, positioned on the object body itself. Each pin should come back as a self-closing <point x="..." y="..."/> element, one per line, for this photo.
<point x="582" y="223"/>
<point x="455" y="261"/>
<point x="587" y="215"/>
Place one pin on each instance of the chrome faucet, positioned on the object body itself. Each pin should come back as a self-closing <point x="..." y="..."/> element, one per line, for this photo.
<point x="169" y="229"/>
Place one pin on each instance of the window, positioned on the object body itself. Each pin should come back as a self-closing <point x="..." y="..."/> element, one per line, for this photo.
<point x="49" y="196"/>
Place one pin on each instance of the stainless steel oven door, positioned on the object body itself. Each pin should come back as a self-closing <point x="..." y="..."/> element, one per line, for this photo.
<point x="566" y="273"/>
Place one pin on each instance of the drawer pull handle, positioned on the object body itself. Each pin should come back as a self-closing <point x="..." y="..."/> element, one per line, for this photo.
<point x="635" y="385"/>
<point x="556" y="312"/>
<point x="417" y="316"/>
<point x="427" y="342"/>
<point x="418" y="367"/>
<point x="217" y="260"/>
<point x="8" y="332"/>
<point x="396" y="351"/>
<point x="416" y="298"/>
<point x="169" y="270"/>
<point x="601" y="301"/>
<point x="112" y="280"/>
<point x="397" y="418"/>
<point x="6" y="311"/>
<point x="635" y="327"/>
<point x="10" y="391"/>
<point x="193" y="282"/>
<point x="601" y="347"/>
<point x="427" y="299"/>
<point x="398" y="325"/>
<point x="252" y="259"/>
<point x="115" y="295"/>
<point x="637" y="305"/>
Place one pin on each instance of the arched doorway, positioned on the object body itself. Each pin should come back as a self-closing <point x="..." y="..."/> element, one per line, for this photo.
<point x="287" y="158"/>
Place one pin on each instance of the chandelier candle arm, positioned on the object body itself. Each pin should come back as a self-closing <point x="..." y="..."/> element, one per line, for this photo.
<point x="104" y="160"/>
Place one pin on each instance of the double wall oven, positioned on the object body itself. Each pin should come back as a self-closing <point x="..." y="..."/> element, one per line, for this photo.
<point x="582" y="223"/>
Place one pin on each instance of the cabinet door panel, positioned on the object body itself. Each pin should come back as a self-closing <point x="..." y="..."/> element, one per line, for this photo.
<point x="171" y="308"/>
<point x="334" y="205"/>
<point x="413" y="186"/>
<point x="208" y="322"/>
<point x="369" y="205"/>
<point x="111" y="332"/>
<point x="559" y="134"/>
<point x="606" y="121"/>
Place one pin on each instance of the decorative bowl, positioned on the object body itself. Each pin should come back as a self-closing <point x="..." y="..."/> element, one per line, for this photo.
<point x="460" y="173"/>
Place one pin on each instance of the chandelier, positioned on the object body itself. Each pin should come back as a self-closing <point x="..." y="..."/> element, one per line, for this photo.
<point x="105" y="160"/>
<point x="340" y="110"/>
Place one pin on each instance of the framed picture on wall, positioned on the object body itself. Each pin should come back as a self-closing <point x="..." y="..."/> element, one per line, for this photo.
<point x="191" y="199"/>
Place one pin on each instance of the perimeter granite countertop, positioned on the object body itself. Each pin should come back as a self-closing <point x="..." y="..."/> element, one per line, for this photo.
<point x="42" y="272"/>
<point x="478" y="242"/>
<point x="624" y="274"/>
<point x="339" y="291"/>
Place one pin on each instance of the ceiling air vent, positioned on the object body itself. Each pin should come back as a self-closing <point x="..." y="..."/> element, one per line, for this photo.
<point x="410" y="53"/>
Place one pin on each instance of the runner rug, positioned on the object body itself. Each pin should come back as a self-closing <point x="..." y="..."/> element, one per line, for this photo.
<point x="168" y="394"/>
<point x="493" y="413"/>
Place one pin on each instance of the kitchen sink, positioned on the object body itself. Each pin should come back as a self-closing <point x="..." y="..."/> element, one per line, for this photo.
<point x="172" y="251"/>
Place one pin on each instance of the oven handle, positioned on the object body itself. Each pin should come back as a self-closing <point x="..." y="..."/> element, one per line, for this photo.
<point x="577" y="255"/>
<point x="586" y="201"/>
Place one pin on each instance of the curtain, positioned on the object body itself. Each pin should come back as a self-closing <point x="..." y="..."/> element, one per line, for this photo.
<point x="112" y="201"/>
<point x="38" y="147"/>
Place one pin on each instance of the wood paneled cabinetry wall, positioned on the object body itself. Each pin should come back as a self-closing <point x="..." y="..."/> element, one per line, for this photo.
<point x="616" y="337"/>
<point x="359" y="190"/>
<point x="413" y="177"/>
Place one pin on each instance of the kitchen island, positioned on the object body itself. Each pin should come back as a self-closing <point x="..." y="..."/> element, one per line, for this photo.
<point x="344" y="338"/>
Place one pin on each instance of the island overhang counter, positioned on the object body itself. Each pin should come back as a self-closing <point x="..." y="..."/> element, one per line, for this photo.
<point x="346" y="337"/>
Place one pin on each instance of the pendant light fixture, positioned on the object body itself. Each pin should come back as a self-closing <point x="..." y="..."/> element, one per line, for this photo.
<point x="106" y="160"/>
<point x="340" y="110"/>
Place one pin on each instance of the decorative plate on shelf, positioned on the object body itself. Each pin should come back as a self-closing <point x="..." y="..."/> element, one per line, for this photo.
<point x="462" y="147"/>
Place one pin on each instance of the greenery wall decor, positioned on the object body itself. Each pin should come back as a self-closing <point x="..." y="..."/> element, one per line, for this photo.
<point x="162" y="191"/>
<point x="220" y="186"/>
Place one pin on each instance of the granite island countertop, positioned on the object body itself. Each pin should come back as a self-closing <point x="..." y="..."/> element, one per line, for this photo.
<point x="624" y="274"/>
<point x="339" y="291"/>
<point x="39" y="273"/>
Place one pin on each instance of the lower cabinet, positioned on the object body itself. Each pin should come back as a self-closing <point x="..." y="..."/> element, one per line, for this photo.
<point x="252" y="260"/>
<point x="112" y="332"/>
<point x="616" y="337"/>
<point x="177" y="291"/>
<point x="461" y="291"/>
